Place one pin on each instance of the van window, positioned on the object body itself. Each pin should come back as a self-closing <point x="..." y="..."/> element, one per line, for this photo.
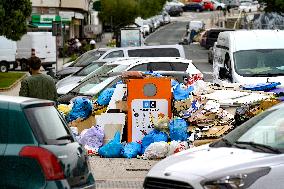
<point x="214" y="34"/>
<point x="114" y="54"/>
<point x="259" y="62"/>
<point x="154" y="52"/>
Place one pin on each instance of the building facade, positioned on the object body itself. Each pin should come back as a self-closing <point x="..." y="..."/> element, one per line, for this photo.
<point x="72" y="13"/>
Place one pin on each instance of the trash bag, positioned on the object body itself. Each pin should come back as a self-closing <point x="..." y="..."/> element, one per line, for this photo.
<point x="113" y="148"/>
<point x="157" y="150"/>
<point x="182" y="92"/>
<point x="82" y="108"/>
<point x="93" y="137"/>
<point x="175" y="147"/>
<point x="131" y="150"/>
<point x="105" y="96"/>
<point x="174" y="83"/>
<point x="153" y="136"/>
<point x="178" y="129"/>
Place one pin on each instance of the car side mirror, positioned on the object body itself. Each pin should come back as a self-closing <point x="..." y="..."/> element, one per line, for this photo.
<point x="224" y="73"/>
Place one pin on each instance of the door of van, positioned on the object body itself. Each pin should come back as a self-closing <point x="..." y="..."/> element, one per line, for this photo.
<point x="50" y="47"/>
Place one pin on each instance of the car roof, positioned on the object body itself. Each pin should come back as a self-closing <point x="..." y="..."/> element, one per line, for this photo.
<point x="23" y="101"/>
<point x="148" y="47"/>
<point x="141" y="60"/>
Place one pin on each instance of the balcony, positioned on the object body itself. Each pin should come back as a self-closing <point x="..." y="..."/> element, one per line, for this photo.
<point x="78" y="4"/>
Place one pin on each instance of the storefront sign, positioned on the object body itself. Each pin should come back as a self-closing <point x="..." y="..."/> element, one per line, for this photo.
<point x="66" y="16"/>
<point x="79" y="16"/>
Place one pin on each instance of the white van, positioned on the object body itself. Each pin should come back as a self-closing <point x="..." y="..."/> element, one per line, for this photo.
<point x="8" y="50"/>
<point x="249" y="57"/>
<point x="43" y="43"/>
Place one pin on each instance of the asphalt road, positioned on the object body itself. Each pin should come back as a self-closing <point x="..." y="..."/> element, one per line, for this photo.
<point x="173" y="34"/>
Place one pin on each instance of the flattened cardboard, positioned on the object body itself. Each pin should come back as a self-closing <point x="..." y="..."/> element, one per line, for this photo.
<point x="84" y="124"/>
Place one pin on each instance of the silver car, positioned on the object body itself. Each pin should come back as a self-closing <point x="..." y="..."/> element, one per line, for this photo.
<point x="251" y="156"/>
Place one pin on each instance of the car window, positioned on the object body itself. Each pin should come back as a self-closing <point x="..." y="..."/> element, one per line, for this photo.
<point x="49" y="122"/>
<point x="141" y="67"/>
<point x="114" y="54"/>
<point x="161" y="66"/>
<point x="154" y="52"/>
<point x="19" y="129"/>
<point x="89" y="69"/>
<point x="178" y="66"/>
<point x="88" y="57"/>
<point x="213" y="34"/>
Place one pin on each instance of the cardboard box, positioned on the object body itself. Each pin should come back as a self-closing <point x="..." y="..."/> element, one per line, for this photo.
<point x="121" y="105"/>
<point x="83" y="124"/>
<point x="110" y="130"/>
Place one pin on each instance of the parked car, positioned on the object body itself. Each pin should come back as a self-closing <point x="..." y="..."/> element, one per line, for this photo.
<point x="248" y="7"/>
<point x="81" y="62"/>
<point x="193" y="6"/>
<point x="218" y="5"/>
<point x="231" y="3"/>
<point x="207" y="5"/>
<point x="137" y="64"/>
<point x="97" y="84"/>
<point x="175" y="10"/>
<point x="37" y="148"/>
<point x="166" y="17"/>
<point x="212" y="36"/>
<point x="251" y="156"/>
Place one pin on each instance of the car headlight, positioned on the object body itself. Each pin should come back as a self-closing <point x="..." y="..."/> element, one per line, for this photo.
<point x="241" y="180"/>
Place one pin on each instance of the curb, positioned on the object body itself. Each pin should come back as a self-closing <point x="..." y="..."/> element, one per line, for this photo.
<point x="14" y="84"/>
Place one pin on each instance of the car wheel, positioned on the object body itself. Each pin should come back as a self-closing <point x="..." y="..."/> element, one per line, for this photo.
<point x="197" y="10"/>
<point x="249" y="10"/>
<point x="219" y="8"/>
<point x="3" y="67"/>
<point x="24" y="65"/>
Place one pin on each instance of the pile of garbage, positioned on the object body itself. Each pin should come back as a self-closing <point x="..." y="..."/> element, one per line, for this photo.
<point x="194" y="118"/>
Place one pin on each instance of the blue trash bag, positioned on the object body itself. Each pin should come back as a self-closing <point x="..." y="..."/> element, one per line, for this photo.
<point x="131" y="150"/>
<point x="182" y="92"/>
<point x="113" y="148"/>
<point x="174" y="83"/>
<point x="178" y="129"/>
<point x="105" y="96"/>
<point x="82" y="108"/>
<point x="155" y="74"/>
<point x="153" y="136"/>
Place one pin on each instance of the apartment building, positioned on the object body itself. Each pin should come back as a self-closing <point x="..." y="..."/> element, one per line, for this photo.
<point x="72" y="13"/>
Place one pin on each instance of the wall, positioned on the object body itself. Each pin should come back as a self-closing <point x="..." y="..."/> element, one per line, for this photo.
<point x="45" y="3"/>
<point x="78" y="4"/>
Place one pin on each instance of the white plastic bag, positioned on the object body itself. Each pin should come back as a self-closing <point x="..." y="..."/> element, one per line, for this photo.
<point x="157" y="150"/>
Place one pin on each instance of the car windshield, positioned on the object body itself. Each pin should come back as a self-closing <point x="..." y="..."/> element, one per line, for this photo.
<point x="261" y="62"/>
<point x="261" y="130"/>
<point x="49" y="121"/>
<point x="89" y="69"/>
<point x="87" y="57"/>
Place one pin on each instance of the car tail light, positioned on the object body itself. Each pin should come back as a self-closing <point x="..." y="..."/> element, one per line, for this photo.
<point x="47" y="160"/>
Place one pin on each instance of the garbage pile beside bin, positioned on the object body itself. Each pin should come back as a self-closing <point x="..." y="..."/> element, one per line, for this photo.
<point x="152" y="116"/>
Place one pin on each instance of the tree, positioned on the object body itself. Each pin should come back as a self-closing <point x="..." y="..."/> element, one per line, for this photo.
<point x="274" y="5"/>
<point x="13" y="18"/>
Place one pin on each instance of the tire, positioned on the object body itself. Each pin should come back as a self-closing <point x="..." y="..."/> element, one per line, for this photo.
<point x="4" y="67"/>
<point x="24" y="65"/>
<point x="197" y="10"/>
<point x="219" y="8"/>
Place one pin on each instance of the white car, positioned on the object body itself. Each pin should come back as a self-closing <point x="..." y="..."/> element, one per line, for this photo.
<point x="249" y="157"/>
<point x="217" y="5"/>
<point x="133" y="64"/>
<point x="248" y="7"/>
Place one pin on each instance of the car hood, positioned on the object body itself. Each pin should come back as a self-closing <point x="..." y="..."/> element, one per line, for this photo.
<point x="68" y="71"/>
<point x="204" y="161"/>
<point x="68" y="80"/>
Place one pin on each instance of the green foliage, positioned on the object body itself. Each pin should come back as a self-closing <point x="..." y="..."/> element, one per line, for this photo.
<point x="120" y="13"/>
<point x="73" y="57"/>
<point x="274" y="5"/>
<point x="13" y="18"/>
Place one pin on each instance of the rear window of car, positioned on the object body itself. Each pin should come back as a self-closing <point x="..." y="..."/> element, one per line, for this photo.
<point x="89" y="69"/>
<point x="154" y="52"/>
<point x="177" y="66"/>
<point x="48" y="124"/>
<point x="88" y="57"/>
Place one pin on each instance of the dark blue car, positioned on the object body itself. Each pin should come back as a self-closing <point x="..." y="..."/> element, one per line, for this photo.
<point x="198" y="7"/>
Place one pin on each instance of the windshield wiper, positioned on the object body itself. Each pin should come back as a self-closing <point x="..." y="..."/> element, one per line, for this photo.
<point x="66" y="137"/>
<point x="227" y="143"/>
<point x="262" y="147"/>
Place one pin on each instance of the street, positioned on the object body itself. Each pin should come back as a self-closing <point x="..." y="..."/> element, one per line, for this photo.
<point x="130" y="173"/>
